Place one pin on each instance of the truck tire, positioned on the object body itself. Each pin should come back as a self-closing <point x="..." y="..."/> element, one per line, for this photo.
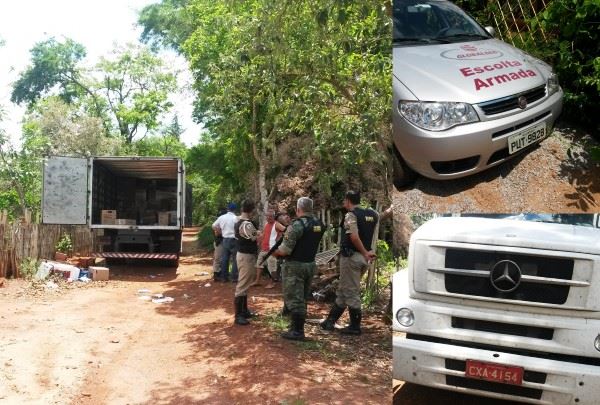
<point x="404" y="176"/>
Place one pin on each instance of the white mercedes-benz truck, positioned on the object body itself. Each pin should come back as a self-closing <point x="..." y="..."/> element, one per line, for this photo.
<point x="505" y="307"/>
<point x="137" y="206"/>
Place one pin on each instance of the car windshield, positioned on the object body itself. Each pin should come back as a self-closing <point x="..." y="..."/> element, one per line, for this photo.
<point x="433" y="22"/>
<point x="589" y="220"/>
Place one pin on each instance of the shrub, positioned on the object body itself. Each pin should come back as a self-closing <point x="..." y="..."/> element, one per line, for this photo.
<point x="65" y="244"/>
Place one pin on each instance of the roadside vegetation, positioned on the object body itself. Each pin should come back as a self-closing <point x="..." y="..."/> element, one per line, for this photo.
<point x="563" y="33"/>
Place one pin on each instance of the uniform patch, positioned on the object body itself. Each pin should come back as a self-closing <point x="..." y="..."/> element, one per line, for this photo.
<point x="317" y="228"/>
<point x="369" y="219"/>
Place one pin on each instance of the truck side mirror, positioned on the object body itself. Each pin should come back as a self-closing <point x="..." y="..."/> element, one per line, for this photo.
<point x="490" y="30"/>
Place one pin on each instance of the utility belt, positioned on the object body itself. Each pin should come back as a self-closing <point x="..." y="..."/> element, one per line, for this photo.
<point x="347" y="251"/>
<point x="297" y="261"/>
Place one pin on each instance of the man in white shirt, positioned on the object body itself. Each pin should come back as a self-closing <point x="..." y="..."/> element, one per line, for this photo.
<point x="224" y="226"/>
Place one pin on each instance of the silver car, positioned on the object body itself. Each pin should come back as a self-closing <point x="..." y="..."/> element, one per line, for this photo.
<point x="463" y="100"/>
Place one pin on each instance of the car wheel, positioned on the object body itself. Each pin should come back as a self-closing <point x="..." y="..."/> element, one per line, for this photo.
<point x="403" y="175"/>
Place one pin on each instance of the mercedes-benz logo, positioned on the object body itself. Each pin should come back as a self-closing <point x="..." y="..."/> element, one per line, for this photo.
<point x="522" y="101"/>
<point x="505" y="276"/>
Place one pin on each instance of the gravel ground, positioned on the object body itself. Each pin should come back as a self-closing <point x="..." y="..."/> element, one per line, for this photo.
<point x="558" y="176"/>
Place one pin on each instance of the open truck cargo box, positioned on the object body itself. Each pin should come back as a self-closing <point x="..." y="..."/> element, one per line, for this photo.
<point x="136" y="205"/>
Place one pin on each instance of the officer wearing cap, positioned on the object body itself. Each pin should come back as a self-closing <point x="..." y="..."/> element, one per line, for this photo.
<point x="358" y="227"/>
<point x="299" y="248"/>
<point x="246" y="235"/>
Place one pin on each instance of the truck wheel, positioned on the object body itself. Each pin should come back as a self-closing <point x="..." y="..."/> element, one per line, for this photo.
<point x="403" y="175"/>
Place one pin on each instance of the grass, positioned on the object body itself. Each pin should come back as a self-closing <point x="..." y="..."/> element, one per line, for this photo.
<point x="275" y="321"/>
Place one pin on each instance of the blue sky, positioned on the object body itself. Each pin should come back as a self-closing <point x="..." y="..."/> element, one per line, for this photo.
<point x="97" y="25"/>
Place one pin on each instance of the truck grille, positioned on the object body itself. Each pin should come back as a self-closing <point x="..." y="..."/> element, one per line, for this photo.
<point x="511" y="102"/>
<point x="503" y="328"/>
<point x="543" y="279"/>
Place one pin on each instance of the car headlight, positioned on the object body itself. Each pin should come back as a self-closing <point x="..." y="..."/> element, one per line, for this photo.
<point x="553" y="85"/>
<point x="597" y="343"/>
<point x="436" y="116"/>
<point x="405" y="317"/>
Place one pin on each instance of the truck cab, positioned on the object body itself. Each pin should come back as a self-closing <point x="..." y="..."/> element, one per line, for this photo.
<point x="504" y="307"/>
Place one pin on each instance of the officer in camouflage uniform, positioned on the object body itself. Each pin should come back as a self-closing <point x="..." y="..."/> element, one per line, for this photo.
<point x="359" y="227"/>
<point x="299" y="248"/>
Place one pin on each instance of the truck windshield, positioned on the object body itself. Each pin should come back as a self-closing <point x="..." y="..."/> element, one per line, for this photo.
<point x="431" y="22"/>
<point x="590" y="220"/>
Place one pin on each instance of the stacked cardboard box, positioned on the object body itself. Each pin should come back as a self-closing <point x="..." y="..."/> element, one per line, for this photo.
<point x="108" y="217"/>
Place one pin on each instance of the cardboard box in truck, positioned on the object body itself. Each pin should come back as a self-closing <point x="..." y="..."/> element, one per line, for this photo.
<point x="163" y="218"/>
<point x="108" y="217"/>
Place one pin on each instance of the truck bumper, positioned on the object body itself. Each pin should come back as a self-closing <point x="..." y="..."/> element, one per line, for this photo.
<point x="438" y="365"/>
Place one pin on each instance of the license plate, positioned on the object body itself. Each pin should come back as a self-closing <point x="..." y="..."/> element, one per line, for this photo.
<point x="494" y="372"/>
<point x="526" y="137"/>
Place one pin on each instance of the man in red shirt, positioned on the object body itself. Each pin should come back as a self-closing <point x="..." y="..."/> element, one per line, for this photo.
<point x="271" y="233"/>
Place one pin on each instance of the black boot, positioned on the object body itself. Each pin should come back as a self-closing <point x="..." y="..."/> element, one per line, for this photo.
<point x="296" y="331"/>
<point x="355" y="318"/>
<point x="285" y="311"/>
<point x="334" y="315"/>
<point x="239" y="308"/>
<point x="246" y="313"/>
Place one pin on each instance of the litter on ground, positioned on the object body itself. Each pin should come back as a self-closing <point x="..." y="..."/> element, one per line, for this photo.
<point x="163" y="300"/>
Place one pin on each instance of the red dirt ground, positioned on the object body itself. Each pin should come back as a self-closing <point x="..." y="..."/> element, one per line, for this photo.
<point x="99" y="344"/>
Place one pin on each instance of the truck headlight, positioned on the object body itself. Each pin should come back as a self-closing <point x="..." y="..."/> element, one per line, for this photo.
<point x="553" y="85"/>
<point x="597" y="343"/>
<point x="436" y="116"/>
<point x="405" y="317"/>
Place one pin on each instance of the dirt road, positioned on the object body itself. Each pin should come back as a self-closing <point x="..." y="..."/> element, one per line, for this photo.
<point x="558" y="176"/>
<point x="101" y="344"/>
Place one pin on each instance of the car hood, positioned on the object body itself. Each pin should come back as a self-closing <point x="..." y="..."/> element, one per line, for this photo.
<point x="469" y="72"/>
<point x="510" y="232"/>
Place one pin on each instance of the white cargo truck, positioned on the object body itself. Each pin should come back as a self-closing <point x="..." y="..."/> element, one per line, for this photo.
<point x="137" y="206"/>
<point x="502" y="307"/>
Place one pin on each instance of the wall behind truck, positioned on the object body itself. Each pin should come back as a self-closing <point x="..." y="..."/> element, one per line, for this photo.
<point x="19" y="241"/>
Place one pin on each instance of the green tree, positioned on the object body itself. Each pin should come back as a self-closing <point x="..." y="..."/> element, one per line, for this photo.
<point x="54" y="64"/>
<point x="128" y="91"/>
<point x="271" y="72"/>
<point x="53" y="127"/>
<point x="135" y="85"/>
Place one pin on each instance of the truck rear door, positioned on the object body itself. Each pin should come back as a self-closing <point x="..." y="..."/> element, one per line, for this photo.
<point x="65" y="191"/>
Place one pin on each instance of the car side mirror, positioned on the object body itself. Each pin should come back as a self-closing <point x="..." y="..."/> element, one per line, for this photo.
<point x="490" y="30"/>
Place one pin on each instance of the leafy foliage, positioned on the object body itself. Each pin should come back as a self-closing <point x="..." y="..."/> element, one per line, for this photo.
<point x="571" y="47"/>
<point x="53" y="64"/>
<point x="128" y="91"/>
<point x="64" y="244"/>
<point x="267" y="73"/>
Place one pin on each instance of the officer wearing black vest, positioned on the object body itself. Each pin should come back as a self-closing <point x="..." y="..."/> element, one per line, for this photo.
<point x="299" y="248"/>
<point x="246" y="234"/>
<point x="358" y="230"/>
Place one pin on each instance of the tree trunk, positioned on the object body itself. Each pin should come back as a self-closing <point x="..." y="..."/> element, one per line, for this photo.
<point x="260" y="155"/>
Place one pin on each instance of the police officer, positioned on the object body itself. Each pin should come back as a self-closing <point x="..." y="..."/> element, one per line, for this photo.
<point x="299" y="248"/>
<point x="246" y="235"/>
<point x="358" y="227"/>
